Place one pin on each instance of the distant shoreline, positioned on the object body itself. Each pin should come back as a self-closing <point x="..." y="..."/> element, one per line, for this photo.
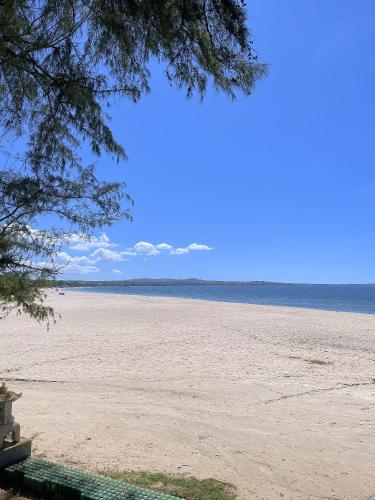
<point x="344" y="298"/>
<point x="181" y="282"/>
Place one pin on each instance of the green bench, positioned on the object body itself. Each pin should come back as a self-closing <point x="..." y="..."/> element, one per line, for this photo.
<point x="48" y="480"/>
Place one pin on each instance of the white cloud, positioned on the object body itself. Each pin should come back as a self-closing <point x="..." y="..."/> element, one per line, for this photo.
<point x="79" y="265"/>
<point x="80" y="242"/>
<point x="147" y="248"/>
<point x="179" y="251"/>
<point x="155" y="251"/>
<point x="64" y="258"/>
<point x="199" y="247"/>
<point x="144" y="247"/>
<point x="106" y="254"/>
<point x="117" y="271"/>
<point x="86" y="264"/>
<point x="164" y="246"/>
<point x="193" y="247"/>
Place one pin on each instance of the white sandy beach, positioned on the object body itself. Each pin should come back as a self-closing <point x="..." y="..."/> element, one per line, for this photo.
<point x="278" y="401"/>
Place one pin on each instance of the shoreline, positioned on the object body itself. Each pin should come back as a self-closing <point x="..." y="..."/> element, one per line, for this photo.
<point x="219" y="301"/>
<point x="275" y="400"/>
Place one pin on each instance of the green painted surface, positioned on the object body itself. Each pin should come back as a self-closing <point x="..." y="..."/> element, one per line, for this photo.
<point x="50" y="480"/>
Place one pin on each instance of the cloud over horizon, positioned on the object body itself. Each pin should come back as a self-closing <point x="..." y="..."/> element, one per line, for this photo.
<point x="103" y="251"/>
<point x="76" y="264"/>
<point x="80" y="242"/>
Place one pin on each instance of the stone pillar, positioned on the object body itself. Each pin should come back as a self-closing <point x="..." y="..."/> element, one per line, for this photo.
<point x="13" y="448"/>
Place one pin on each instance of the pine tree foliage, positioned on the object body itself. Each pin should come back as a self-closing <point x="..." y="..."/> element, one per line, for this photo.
<point x="62" y="62"/>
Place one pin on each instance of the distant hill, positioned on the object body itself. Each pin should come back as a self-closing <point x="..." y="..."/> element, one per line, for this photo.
<point x="154" y="282"/>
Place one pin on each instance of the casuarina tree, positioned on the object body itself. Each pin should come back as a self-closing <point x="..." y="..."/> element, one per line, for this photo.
<point x="61" y="64"/>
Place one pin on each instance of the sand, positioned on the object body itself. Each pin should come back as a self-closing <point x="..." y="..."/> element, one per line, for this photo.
<point x="278" y="401"/>
<point x="9" y="495"/>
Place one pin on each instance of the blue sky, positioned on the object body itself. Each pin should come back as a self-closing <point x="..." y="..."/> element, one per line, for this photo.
<point x="278" y="186"/>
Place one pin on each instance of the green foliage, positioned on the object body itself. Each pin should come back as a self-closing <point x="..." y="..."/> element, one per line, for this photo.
<point x="187" y="487"/>
<point x="24" y="295"/>
<point x="62" y="62"/>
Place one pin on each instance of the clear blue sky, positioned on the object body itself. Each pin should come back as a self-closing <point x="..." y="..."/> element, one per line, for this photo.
<point x="280" y="185"/>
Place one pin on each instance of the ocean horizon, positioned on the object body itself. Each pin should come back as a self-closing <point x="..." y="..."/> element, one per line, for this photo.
<point x="344" y="298"/>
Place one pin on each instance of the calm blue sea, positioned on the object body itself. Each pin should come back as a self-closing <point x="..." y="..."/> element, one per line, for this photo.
<point x="351" y="298"/>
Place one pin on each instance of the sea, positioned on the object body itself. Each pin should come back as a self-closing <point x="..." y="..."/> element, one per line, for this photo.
<point x="350" y="298"/>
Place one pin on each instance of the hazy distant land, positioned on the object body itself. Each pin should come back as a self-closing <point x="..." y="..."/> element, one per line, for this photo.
<point x="157" y="282"/>
<point x="174" y="281"/>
